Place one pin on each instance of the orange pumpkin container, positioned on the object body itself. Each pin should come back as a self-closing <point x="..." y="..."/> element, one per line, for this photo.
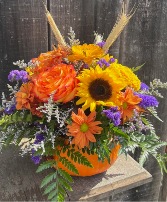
<point x="98" y="166"/>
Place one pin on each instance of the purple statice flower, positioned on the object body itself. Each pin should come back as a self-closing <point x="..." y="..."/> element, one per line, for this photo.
<point x="10" y="110"/>
<point x="147" y="101"/>
<point x="85" y="66"/>
<point x="41" y="126"/>
<point x="143" y="86"/>
<point x="23" y="76"/>
<point x="16" y="75"/>
<point x="101" y="44"/>
<point x="13" y="75"/>
<point x="114" y="115"/>
<point x="102" y="62"/>
<point x="39" y="138"/>
<point x="35" y="159"/>
<point x="112" y="60"/>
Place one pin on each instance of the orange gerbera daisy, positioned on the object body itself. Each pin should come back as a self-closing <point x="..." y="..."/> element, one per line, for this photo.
<point x="83" y="128"/>
<point x="129" y="103"/>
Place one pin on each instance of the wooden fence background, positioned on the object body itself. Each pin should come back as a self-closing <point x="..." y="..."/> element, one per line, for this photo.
<point x="24" y="34"/>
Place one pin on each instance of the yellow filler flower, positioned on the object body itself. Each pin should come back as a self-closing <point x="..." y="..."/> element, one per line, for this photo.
<point x="86" y="53"/>
<point x="126" y="74"/>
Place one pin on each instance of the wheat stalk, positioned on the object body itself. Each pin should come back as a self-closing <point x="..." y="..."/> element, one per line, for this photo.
<point x="121" y="22"/>
<point x="55" y="29"/>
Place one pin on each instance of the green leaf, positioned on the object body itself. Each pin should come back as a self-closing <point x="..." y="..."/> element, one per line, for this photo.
<point x="76" y="156"/>
<point x="46" y="165"/>
<point x="9" y="139"/>
<point x="143" y="157"/>
<point x="68" y="164"/>
<point x="118" y="132"/>
<point x="50" y="187"/>
<point x="134" y="69"/>
<point x="48" y="178"/>
<point x="65" y="184"/>
<point x="153" y="111"/>
<point x="65" y="175"/>
<point x="52" y="194"/>
<point x="58" y="198"/>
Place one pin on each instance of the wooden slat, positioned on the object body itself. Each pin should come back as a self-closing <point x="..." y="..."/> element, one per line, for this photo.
<point x="23" y="34"/>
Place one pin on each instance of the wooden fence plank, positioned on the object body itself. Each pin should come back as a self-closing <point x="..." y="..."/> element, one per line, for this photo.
<point x="141" y="42"/>
<point x="76" y="14"/>
<point x="144" y="41"/>
<point x="23" y="34"/>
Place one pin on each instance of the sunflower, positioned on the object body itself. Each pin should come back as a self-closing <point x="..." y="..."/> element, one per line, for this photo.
<point x="83" y="128"/>
<point x="86" y="53"/>
<point x="99" y="87"/>
<point x="126" y="74"/>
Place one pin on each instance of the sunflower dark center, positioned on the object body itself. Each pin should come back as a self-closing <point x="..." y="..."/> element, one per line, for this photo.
<point x="100" y="89"/>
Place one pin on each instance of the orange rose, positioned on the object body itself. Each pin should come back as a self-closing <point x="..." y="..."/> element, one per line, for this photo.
<point x="60" y="80"/>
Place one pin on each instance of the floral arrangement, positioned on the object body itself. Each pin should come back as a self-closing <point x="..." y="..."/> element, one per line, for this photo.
<point x="79" y="96"/>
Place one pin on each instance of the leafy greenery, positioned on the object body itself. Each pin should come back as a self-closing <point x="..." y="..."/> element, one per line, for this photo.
<point x="134" y="69"/>
<point x="153" y="111"/>
<point x="149" y="145"/>
<point x="76" y="156"/>
<point x="17" y="117"/>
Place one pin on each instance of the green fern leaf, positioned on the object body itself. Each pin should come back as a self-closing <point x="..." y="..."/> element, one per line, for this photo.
<point x="61" y="190"/>
<point x="153" y="111"/>
<point x="76" y="156"/>
<point x="143" y="157"/>
<point x="68" y="164"/>
<point x="50" y="187"/>
<point x="9" y="139"/>
<point x="58" y="198"/>
<point x="46" y="165"/>
<point x="65" y="184"/>
<point x="65" y="175"/>
<point x="48" y="179"/>
<point x="52" y="194"/>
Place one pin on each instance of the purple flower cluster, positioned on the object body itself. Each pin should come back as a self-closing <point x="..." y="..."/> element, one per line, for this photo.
<point x="147" y="101"/>
<point x="35" y="159"/>
<point x="114" y="115"/>
<point x="10" y="110"/>
<point x="101" y="44"/>
<point x="102" y="62"/>
<point x="143" y="86"/>
<point x="39" y="138"/>
<point x="16" y="75"/>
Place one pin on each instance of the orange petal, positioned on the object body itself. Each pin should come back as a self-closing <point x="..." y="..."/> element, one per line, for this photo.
<point x="78" y="119"/>
<point x="91" y="117"/>
<point x="90" y="136"/>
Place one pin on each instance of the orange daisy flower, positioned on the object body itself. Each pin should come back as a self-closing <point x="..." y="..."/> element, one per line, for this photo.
<point x="129" y="103"/>
<point x="83" y="128"/>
